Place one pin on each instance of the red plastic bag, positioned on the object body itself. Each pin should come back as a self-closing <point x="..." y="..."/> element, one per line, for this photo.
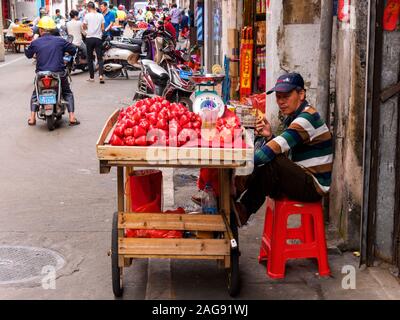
<point x="167" y="234"/>
<point x="209" y="176"/>
<point x="146" y="187"/>
<point x="151" y="207"/>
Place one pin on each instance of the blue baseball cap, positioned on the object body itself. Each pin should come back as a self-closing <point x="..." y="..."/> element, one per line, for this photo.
<point x="288" y="82"/>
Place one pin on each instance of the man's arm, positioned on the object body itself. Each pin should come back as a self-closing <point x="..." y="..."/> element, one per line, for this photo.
<point x="85" y="23"/>
<point x="102" y="23"/>
<point x="111" y="24"/>
<point x="70" y="48"/>
<point x="83" y="32"/>
<point x="297" y="132"/>
<point x="30" y="50"/>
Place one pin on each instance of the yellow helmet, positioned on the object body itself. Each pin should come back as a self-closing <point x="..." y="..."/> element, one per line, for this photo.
<point x="46" y="23"/>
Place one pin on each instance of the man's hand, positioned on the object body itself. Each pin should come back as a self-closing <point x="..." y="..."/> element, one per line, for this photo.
<point x="263" y="128"/>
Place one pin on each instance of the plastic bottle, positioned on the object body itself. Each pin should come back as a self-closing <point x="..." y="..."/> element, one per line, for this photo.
<point x="209" y="201"/>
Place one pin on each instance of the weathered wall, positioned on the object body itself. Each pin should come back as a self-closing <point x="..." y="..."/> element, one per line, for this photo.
<point x="387" y="156"/>
<point x="346" y="192"/>
<point x="292" y="46"/>
<point x="274" y="25"/>
<point x="2" y="57"/>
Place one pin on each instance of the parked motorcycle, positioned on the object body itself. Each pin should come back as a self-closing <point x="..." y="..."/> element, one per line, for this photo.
<point x="48" y="92"/>
<point x="172" y="83"/>
<point x="166" y="74"/>
<point x="78" y="61"/>
<point x="119" y="58"/>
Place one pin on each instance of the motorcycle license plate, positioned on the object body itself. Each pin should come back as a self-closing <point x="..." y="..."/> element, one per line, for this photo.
<point x="47" y="99"/>
<point x="185" y="74"/>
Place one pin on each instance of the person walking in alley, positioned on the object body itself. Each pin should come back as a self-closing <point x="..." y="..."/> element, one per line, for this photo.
<point x="93" y="23"/>
<point x="109" y="18"/>
<point x="82" y="12"/>
<point x="58" y="17"/>
<point x="297" y="163"/>
<point x="176" y="16"/>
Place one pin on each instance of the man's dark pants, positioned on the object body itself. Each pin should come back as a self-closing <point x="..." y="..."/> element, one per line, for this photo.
<point x="94" y="44"/>
<point x="280" y="177"/>
<point x="66" y="94"/>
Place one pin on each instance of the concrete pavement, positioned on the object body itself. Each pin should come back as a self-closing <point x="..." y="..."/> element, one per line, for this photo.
<point x="52" y="196"/>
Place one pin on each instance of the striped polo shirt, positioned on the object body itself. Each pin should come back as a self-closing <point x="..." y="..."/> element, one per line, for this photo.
<point x="307" y="142"/>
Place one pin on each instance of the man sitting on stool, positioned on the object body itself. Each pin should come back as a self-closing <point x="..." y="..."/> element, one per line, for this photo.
<point x="297" y="163"/>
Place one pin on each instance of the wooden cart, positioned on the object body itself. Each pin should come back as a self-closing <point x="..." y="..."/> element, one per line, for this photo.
<point x="20" y="41"/>
<point x="221" y="240"/>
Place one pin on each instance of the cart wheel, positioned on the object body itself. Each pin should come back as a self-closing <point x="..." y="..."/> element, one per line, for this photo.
<point x="116" y="272"/>
<point x="233" y="273"/>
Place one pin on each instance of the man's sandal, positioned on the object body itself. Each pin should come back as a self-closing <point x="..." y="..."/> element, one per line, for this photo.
<point x="31" y="123"/>
<point x="74" y="123"/>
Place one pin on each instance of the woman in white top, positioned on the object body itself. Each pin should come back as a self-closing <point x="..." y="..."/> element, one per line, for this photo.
<point x="10" y="36"/>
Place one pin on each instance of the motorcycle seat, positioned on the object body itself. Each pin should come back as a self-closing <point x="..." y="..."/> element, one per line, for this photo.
<point x="41" y="74"/>
<point x="136" y="41"/>
<point x="155" y="71"/>
<point x="131" y="47"/>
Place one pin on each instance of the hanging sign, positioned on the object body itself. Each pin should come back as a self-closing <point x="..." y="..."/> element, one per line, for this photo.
<point x="246" y="60"/>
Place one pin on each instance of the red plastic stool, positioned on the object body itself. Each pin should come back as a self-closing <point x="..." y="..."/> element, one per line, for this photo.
<point x="311" y="233"/>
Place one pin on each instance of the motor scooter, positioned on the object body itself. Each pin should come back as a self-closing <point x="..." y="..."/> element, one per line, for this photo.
<point x="48" y="92"/>
<point x="119" y="58"/>
<point x="171" y="82"/>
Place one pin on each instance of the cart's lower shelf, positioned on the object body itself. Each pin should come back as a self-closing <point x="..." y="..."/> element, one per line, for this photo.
<point x="173" y="248"/>
<point x="163" y="221"/>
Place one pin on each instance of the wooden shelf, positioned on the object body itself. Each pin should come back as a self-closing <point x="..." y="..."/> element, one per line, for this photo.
<point x="165" y="221"/>
<point x="176" y="247"/>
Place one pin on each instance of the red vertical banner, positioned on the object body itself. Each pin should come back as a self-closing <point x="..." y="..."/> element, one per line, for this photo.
<point x="391" y="15"/>
<point x="246" y="62"/>
<point x="344" y="10"/>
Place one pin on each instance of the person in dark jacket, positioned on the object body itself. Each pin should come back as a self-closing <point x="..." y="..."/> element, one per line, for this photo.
<point x="49" y="51"/>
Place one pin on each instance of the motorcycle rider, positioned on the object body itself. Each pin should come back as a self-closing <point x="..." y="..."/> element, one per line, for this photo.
<point x="121" y="15"/>
<point x="49" y="51"/>
<point x="75" y="28"/>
